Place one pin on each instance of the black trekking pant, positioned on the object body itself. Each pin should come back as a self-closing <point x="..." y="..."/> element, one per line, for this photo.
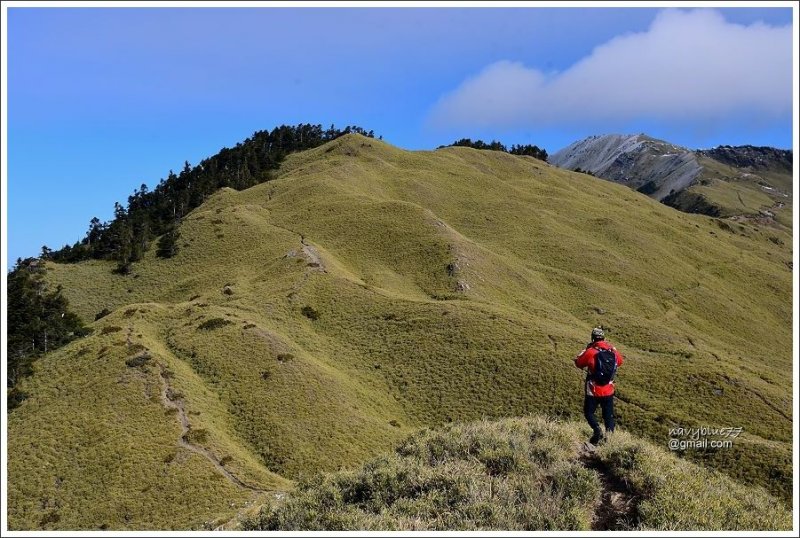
<point x="606" y="403"/>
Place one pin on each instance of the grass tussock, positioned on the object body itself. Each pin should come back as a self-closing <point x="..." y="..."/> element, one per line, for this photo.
<point x="517" y="474"/>
<point x="214" y="323"/>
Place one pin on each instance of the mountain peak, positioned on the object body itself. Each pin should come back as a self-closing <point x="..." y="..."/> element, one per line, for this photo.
<point x="639" y="161"/>
<point x="747" y="182"/>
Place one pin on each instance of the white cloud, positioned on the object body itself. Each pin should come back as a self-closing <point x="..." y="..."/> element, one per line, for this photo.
<point x="687" y="65"/>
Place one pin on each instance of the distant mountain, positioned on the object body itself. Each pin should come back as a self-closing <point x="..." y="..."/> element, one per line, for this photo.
<point x="727" y="181"/>
<point x="651" y="166"/>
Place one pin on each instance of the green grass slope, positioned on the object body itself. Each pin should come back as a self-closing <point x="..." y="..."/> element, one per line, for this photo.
<point x="763" y="195"/>
<point x="521" y="474"/>
<point x="313" y="321"/>
<point x="98" y="447"/>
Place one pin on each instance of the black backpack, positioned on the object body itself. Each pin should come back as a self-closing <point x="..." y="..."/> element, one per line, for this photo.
<point x="605" y="366"/>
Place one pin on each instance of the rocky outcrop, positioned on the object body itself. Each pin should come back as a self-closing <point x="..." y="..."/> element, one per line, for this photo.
<point x="651" y="166"/>
<point x="756" y="158"/>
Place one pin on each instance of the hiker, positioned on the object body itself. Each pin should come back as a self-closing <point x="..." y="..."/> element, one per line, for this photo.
<point x="601" y="360"/>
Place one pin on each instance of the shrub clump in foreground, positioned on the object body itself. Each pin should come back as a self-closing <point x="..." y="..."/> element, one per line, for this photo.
<point x="516" y="474"/>
<point x="519" y="474"/>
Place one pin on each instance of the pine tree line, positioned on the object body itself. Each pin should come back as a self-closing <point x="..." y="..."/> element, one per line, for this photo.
<point x="39" y="321"/>
<point x="156" y="213"/>
<point x="516" y="149"/>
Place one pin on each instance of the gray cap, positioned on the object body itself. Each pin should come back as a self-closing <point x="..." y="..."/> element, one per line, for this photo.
<point x="598" y="333"/>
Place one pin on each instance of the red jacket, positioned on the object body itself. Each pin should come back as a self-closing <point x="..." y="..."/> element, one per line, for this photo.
<point x="586" y="360"/>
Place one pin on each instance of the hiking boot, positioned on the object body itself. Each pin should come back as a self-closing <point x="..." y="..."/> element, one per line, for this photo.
<point x="595" y="439"/>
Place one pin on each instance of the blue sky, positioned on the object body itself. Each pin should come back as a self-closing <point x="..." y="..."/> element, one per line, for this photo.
<point x="103" y="100"/>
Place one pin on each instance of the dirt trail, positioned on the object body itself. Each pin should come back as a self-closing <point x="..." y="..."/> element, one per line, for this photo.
<point x="307" y="251"/>
<point x="169" y="401"/>
<point x="313" y="257"/>
<point x="617" y="508"/>
<point x="314" y="264"/>
<point x="763" y="216"/>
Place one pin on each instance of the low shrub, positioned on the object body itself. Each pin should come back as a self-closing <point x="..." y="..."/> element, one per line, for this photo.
<point x="310" y="312"/>
<point x="195" y="437"/>
<point x="285" y="357"/>
<point x="138" y="360"/>
<point x="213" y="323"/>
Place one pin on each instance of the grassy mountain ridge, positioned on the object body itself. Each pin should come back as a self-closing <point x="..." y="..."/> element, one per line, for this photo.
<point x="99" y="449"/>
<point x="312" y="321"/>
